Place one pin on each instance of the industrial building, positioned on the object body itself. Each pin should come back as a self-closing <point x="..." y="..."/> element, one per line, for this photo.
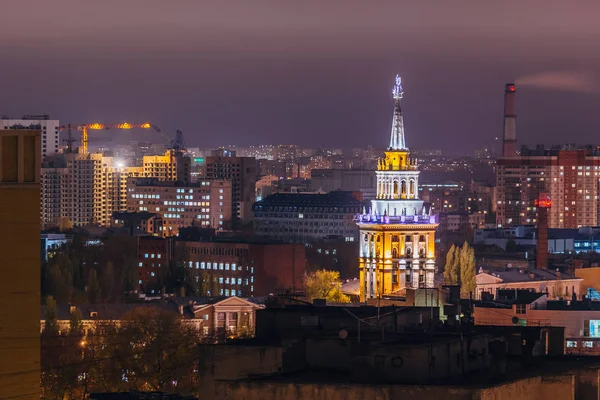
<point x="569" y="175"/>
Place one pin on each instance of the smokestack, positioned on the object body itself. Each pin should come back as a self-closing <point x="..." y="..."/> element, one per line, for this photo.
<point x="509" y="140"/>
<point x="543" y="203"/>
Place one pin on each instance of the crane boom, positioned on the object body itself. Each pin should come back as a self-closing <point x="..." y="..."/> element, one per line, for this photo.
<point x="176" y="143"/>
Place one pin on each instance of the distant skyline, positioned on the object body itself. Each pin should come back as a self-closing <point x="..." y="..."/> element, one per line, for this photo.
<point x="311" y="73"/>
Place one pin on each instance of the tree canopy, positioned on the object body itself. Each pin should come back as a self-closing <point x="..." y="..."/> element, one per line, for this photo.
<point x="324" y="284"/>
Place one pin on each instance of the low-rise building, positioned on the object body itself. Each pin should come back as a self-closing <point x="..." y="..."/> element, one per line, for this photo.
<point x="209" y="316"/>
<point x="230" y="266"/>
<point x="560" y="240"/>
<point x="144" y="221"/>
<point x="580" y="319"/>
<point x="555" y="284"/>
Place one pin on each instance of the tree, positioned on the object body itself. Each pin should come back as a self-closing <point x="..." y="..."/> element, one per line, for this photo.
<point x="75" y="324"/>
<point x="324" y="284"/>
<point x="157" y="351"/>
<point x="450" y="270"/>
<point x="50" y="326"/>
<point x="93" y="287"/>
<point x="468" y="273"/>
<point x="65" y="224"/>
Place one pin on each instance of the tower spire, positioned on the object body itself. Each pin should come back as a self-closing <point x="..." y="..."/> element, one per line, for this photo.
<point x="397" y="141"/>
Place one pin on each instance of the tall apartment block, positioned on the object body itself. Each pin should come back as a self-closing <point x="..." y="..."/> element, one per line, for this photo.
<point x="49" y="128"/>
<point x="20" y="161"/>
<point x="568" y="175"/>
<point x="242" y="173"/>
<point x="84" y="189"/>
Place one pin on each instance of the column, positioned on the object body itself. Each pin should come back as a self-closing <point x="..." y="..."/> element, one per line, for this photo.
<point x="226" y="322"/>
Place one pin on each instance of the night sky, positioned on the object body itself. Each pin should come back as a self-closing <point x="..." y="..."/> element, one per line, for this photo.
<point x="314" y="73"/>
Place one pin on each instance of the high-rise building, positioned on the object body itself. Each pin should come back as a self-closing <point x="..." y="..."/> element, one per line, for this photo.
<point x="205" y="204"/>
<point x="397" y="234"/>
<point x="568" y="175"/>
<point x="171" y="166"/>
<point x="241" y="171"/>
<point x="82" y="189"/>
<point x="49" y="127"/>
<point x="20" y="162"/>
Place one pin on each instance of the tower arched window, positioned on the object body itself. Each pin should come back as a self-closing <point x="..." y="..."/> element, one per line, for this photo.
<point x="411" y="189"/>
<point x="408" y="251"/>
<point x="422" y="252"/>
<point x="394" y="253"/>
<point x="395" y="188"/>
<point x="403" y="193"/>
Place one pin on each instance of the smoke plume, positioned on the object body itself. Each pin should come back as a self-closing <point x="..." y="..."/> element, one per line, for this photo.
<point x="564" y="81"/>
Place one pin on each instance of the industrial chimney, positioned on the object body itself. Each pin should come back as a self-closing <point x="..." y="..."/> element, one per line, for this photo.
<point x="543" y="203"/>
<point x="509" y="139"/>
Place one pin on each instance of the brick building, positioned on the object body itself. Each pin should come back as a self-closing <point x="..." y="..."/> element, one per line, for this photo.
<point x="233" y="267"/>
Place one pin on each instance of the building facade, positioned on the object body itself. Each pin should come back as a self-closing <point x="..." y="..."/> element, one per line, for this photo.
<point x="20" y="162"/>
<point x="49" y="144"/>
<point x="302" y="218"/>
<point x="86" y="189"/>
<point x="242" y="173"/>
<point x="397" y="234"/>
<point x="569" y="175"/>
<point x="205" y="204"/>
<point x="223" y="267"/>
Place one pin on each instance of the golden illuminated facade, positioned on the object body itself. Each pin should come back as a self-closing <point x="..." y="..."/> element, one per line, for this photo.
<point x="397" y="234"/>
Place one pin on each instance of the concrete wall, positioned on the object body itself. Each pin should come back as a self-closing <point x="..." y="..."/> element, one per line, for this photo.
<point x="559" y="387"/>
<point x="400" y="363"/>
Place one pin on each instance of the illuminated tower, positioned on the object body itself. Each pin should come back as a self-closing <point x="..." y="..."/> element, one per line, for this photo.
<point x="397" y="234"/>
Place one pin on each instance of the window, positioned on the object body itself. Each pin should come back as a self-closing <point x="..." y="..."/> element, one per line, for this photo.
<point x="588" y="344"/>
<point x="521" y="308"/>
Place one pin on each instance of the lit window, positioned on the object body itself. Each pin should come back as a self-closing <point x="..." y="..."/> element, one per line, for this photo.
<point x="146" y="255"/>
<point x="140" y="264"/>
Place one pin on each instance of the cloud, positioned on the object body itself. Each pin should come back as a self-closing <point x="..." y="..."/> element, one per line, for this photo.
<point x="568" y="81"/>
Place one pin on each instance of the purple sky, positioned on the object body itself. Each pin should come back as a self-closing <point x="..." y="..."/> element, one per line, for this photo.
<point x="308" y="72"/>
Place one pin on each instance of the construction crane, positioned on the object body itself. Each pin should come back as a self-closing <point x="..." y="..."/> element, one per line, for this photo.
<point x="96" y="126"/>
<point x="177" y="143"/>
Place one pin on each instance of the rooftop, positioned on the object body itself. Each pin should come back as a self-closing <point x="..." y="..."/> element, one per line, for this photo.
<point x="529" y="275"/>
<point x="336" y="198"/>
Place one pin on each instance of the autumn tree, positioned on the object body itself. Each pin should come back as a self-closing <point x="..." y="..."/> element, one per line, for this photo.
<point x="450" y="268"/>
<point x="324" y="284"/>
<point x="467" y="271"/>
<point x="460" y="268"/>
